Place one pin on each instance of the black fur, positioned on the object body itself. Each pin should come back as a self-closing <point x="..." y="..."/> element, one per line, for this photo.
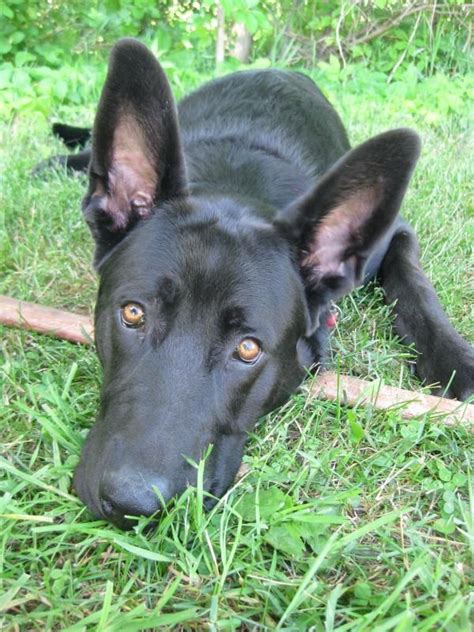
<point x="244" y="220"/>
<point x="72" y="137"/>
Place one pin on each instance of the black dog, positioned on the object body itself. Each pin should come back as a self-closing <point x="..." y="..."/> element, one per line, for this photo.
<point x="221" y="241"/>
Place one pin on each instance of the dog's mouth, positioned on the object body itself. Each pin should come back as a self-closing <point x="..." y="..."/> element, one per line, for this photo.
<point x="103" y="509"/>
<point x="127" y="522"/>
<point x="119" y="489"/>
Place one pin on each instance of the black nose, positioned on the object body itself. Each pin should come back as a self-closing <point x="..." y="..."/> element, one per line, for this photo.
<point x="126" y="493"/>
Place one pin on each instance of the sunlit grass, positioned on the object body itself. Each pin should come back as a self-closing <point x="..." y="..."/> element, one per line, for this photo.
<point x="326" y="528"/>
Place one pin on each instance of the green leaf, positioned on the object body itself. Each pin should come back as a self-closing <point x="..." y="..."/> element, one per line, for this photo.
<point x="17" y="37"/>
<point x="267" y="501"/>
<point x="448" y="508"/>
<point x="6" y="11"/>
<point x="444" y="474"/>
<point x="363" y="591"/>
<point x="459" y="479"/>
<point x="61" y="89"/>
<point x="356" y="430"/>
<point x="285" y="538"/>
<point x="23" y="57"/>
<point x="443" y="525"/>
<point x="315" y="536"/>
<point x="5" y="47"/>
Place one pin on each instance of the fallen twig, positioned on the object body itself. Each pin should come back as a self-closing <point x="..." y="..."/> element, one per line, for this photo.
<point x="409" y="404"/>
<point x="329" y="386"/>
<point x="46" y="320"/>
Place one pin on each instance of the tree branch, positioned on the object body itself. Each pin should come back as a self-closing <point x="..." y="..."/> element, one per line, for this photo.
<point x="367" y="35"/>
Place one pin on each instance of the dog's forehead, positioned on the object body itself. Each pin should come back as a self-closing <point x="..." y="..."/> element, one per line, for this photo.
<point x="219" y="250"/>
<point x="216" y="262"/>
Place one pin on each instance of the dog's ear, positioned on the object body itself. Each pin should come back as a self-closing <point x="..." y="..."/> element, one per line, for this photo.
<point x="136" y="160"/>
<point x="340" y="223"/>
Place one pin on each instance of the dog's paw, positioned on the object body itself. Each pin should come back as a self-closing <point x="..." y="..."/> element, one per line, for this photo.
<point x="455" y="375"/>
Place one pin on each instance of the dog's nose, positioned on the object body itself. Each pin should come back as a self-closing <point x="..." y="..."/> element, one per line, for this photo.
<point x="126" y="493"/>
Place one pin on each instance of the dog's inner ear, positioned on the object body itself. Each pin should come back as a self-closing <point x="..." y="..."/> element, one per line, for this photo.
<point x="136" y="157"/>
<point x="330" y="249"/>
<point x="339" y="224"/>
<point x="130" y="185"/>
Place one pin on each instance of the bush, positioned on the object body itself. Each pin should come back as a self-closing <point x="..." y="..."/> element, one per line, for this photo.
<point x="53" y="53"/>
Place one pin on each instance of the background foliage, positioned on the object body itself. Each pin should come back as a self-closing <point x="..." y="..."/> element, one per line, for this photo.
<point x="53" y="52"/>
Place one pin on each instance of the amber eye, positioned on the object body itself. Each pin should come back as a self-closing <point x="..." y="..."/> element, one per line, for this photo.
<point x="248" y="350"/>
<point x="133" y="315"/>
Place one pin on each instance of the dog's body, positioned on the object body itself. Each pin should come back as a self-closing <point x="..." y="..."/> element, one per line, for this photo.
<point x="221" y="242"/>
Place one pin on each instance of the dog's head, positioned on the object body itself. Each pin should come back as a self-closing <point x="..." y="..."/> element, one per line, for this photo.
<point x="206" y="316"/>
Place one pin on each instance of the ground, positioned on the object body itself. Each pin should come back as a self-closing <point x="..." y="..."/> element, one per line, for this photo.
<point x="346" y="519"/>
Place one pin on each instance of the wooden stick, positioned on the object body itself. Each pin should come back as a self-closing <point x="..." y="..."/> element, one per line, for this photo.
<point x="409" y="404"/>
<point x="46" y="320"/>
<point x="328" y="386"/>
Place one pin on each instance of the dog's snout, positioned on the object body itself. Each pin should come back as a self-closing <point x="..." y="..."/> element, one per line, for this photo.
<point x="123" y="493"/>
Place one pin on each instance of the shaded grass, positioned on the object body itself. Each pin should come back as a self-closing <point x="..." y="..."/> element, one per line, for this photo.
<point x="346" y="519"/>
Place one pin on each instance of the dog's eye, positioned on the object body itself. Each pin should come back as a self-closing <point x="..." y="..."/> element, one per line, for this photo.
<point x="133" y="315"/>
<point x="248" y="350"/>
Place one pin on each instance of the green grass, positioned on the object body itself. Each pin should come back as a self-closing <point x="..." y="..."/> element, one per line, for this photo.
<point x="344" y="519"/>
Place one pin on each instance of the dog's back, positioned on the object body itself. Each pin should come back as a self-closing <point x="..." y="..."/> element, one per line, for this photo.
<point x="266" y="134"/>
